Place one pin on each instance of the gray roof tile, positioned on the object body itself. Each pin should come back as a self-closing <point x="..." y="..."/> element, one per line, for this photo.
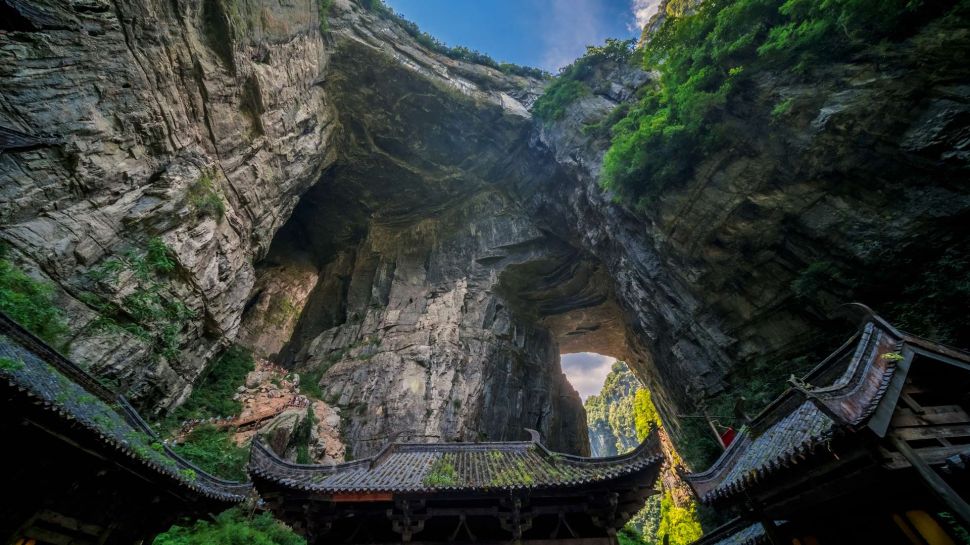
<point x="452" y="466"/>
<point x="37" y="370"/>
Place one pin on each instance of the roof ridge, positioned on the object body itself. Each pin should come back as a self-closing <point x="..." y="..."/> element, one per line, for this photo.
<point x="495" y="466"/>
<point x="38" y="356"/>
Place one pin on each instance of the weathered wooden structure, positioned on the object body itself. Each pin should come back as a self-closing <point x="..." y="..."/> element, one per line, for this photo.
<point x="81" y="466"/>
<point x="460" y="493"/>
<point x="871" y="446"/>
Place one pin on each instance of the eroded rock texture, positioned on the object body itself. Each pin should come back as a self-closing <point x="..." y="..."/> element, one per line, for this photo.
<point x="140" y="99"/>
<point x="864" y="179"/>
<point x="404" y="161"/>
<point x="398" y="226"/>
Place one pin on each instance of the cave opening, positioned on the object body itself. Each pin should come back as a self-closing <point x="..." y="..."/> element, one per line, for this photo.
<point x="586" y="371"/>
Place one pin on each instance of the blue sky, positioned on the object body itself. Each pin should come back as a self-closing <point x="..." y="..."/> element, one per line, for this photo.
<point x="544" y="33"/>
<point x="586" y="371"/>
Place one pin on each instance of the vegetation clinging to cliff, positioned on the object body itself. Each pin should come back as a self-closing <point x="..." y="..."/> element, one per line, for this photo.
<point x="148" y="310"/>
<point x="215" y="451"/>
<point x="460" y="53"/>
<point x="30" y="303"/>
<point x="705" y="58"/>
<point x="625" y="409"/>
<point x="211" y="448"/>
<point x="205" y="199"/>
<point x="572" y="82"/>
<point x="212" y="395"/>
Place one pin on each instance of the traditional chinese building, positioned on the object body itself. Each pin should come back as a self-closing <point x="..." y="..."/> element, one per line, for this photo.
<point x="871" y="446"/>
<point x="81" y="467"/>
<point x="459" y="493"/>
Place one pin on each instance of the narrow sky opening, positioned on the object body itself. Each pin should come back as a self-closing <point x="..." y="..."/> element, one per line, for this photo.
<point x="586" y="371"/>
<point x="547" y="34"/>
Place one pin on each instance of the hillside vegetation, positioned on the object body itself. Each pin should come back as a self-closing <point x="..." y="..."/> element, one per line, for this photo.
<point x="623" y="413"/>
<point x="707" y="58"/>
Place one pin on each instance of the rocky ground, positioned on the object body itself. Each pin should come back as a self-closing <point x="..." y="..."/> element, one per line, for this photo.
<point x="274" y="409"/>
<point x="396" y="224"/>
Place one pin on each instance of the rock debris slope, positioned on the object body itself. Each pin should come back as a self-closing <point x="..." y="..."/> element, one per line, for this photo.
<point x="395" y="224"/>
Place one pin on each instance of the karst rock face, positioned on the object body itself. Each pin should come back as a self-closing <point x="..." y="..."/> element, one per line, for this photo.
<point x="398" y="223"/>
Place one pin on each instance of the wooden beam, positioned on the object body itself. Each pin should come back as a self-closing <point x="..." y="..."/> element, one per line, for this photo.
<point x="911" y="403"/>
<point x="933" y="432"/>
<point x="717" y="434"/>
<point x="944" y="414"/>
<point x="939" y="487"/>
<point x="940" y="357"/>
<point x="930" y="455"/>
<point x="362" y="497"/>
<point x="771" y="530"/>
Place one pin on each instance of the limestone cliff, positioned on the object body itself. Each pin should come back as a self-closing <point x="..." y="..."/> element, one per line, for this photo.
<point x="140" y="101"/>
<point x="196" y="128"/>
<point x="394" y="223"/>
<point x="853" y="190"/>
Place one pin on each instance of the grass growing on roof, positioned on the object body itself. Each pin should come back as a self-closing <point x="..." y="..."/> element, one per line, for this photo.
<point x="442" y="472"/>
<point x="516" y="474"/>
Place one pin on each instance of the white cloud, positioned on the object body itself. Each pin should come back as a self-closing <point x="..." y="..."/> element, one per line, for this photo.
<point x="643" y="10"/>
<point x="586" y="371"/>
<point x="570" y="27"/>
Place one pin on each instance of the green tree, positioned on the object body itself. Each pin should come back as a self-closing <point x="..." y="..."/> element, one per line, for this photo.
<point x="679" y="524"/>
<point x="706" y="59"/>
<point x="30" y="303"/>
<point x="232" y="527"/>
<point x="215" y="452"/>
<point x="212" y="395"/>
<point x="645" y="415"/>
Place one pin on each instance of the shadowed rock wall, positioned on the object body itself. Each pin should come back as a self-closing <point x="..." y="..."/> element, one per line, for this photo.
<point x="397" y="222"/>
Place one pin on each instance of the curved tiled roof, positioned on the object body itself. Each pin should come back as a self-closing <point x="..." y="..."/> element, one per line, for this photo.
<point x="794" y="437"/>
<point x="806" y="417"/>
<point x="735" y="532"/>
<point x="63" y="389"/>
<point x="453" y="466"/>
<point x="804" y="420"/>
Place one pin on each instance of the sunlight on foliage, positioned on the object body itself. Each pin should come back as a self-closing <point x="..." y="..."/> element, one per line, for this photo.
<point x="572" y="83"/>
<point x="679" y="524"/>
<point x="707" y="56"/>
<point x="645" y="415"/>
<point x="234" y="526"/>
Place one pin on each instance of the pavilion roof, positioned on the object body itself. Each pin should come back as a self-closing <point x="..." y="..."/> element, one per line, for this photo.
<point x="70" y="395"/>
<point x="735" y="532"/>
<point x="803" y="421"/>
<point x="430" y="467"/>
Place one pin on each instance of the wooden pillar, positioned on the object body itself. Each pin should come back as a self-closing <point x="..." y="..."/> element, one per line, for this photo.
<point x="717" y="434"/>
